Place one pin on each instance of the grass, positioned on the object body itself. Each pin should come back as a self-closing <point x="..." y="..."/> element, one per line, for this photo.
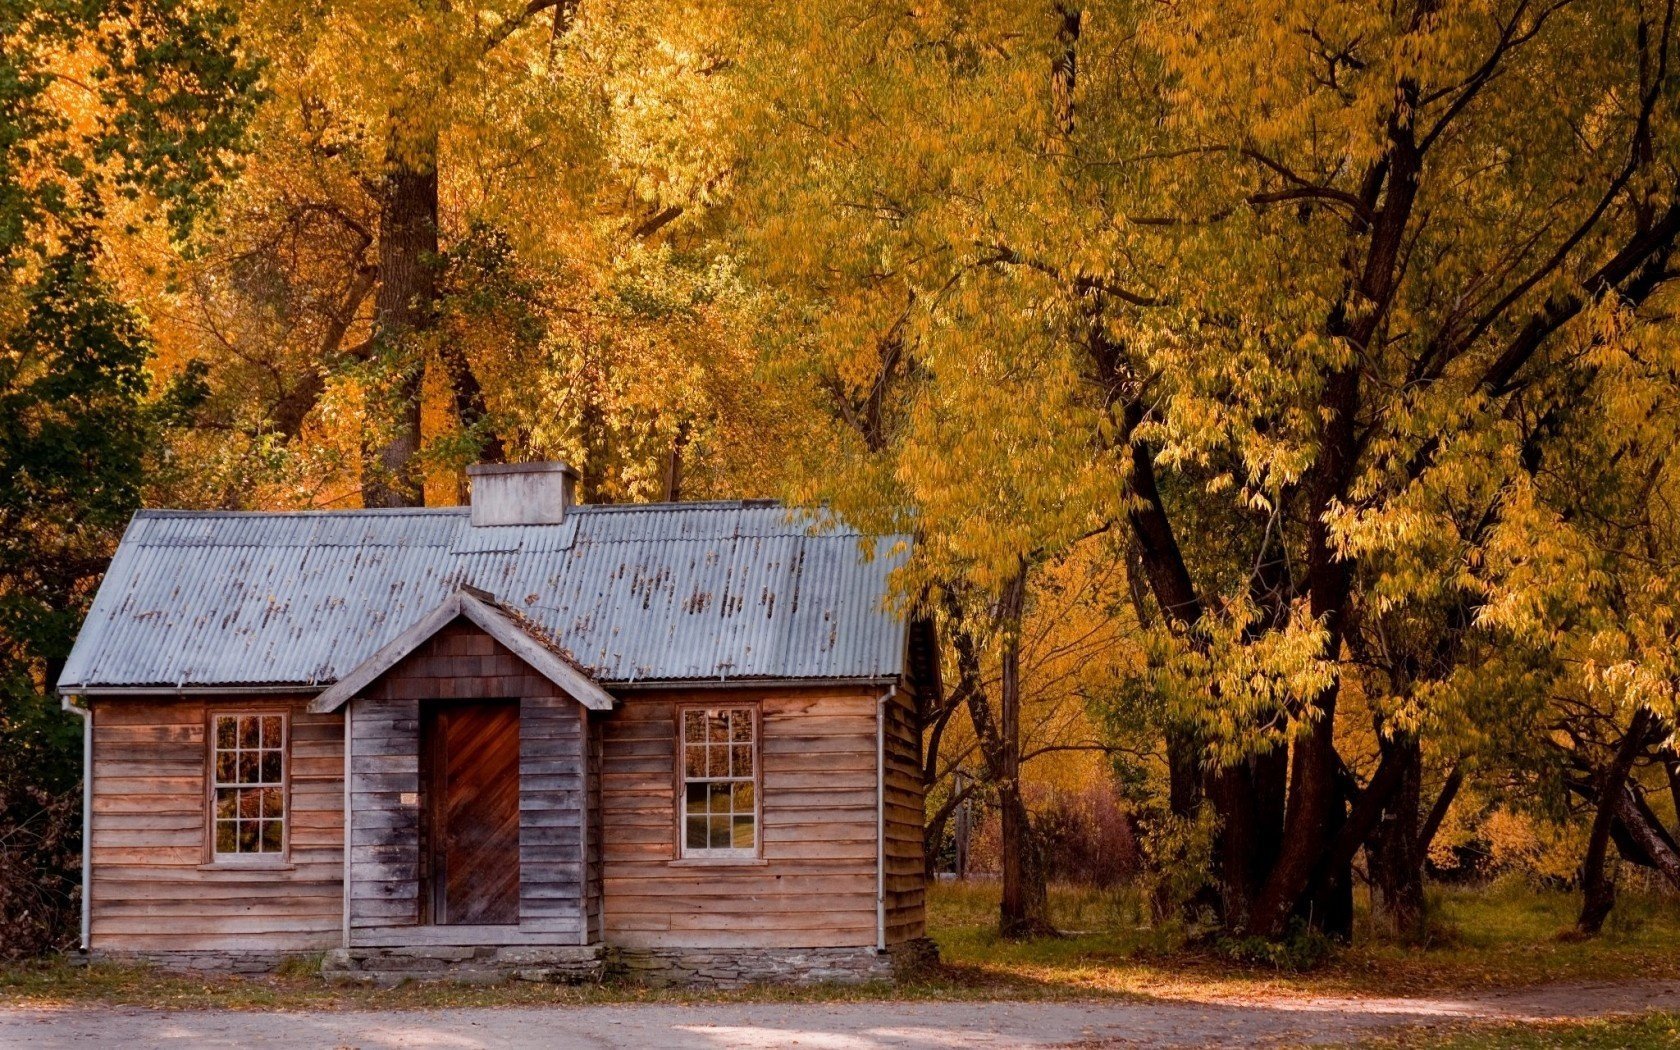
<point x="1501" y="936"/>
<point x="1621" y="1033"/>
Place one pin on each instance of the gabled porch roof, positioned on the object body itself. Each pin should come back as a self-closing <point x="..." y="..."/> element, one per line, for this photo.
<point x="499" y="623"/>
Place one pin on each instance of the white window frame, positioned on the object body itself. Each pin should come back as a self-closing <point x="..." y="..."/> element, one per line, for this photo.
<point x="723" y="853"/>
<point x="215" y="785"/>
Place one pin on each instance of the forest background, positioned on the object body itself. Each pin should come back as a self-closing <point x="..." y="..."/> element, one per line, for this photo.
<point x="1281" y="394"/>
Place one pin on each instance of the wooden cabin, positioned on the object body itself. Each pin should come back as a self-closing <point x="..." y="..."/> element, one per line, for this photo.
<point x="526" y="736"/>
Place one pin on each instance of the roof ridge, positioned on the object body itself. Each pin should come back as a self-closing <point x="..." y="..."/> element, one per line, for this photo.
<point x="395" y="512"/>
<point x="591" y="508"/>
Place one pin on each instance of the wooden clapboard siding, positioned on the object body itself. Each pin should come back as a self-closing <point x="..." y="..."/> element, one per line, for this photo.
<point x="905" y="871"/>
<point x="595" y="728"/>
<point x="816" y="883"/>
<point x="461" y="662"/>
<point x="552" y="809"/>
<point x="153" y="888"/>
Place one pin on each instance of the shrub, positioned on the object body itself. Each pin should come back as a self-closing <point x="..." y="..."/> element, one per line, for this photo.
<point x="40" y="829"/>
<point x="1085" y="833"/>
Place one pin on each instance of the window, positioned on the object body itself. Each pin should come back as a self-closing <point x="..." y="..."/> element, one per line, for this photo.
<point x="248" y="790"/>
<point x="720" y="786"/>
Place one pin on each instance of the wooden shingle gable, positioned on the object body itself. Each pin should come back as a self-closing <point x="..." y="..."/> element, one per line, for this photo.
<point x="479" y="608"/>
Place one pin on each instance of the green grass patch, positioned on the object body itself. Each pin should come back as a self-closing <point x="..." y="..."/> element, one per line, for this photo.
<point x="1505" y="935"/>
<point x="1617" y="1033"/>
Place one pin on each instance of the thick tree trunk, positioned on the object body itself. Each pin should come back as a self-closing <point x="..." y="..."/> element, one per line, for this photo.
<point x="1598" y="886"/>
<point x="1249" y="800"/>
<point x="1396" y="852"/>
<point x="405" y="308"/>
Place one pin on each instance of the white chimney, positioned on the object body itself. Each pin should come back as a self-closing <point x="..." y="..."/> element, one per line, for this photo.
<point x="522" y="493"/>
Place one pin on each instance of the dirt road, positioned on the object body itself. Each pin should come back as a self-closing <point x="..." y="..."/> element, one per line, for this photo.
<point x="837" y="1026"/>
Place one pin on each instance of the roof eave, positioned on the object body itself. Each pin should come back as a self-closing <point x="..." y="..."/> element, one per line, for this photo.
<point x="230" y="689"/>
<point x="745" y="682"/>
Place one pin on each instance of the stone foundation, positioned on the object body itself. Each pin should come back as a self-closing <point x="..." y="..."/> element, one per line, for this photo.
<point x="734" y="967"/>
<point x="228" y="962"/>
<point x="659" y="967"/>
<point x="481" y="965"/>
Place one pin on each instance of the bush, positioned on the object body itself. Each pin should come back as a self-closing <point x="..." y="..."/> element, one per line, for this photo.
<point x="40" y="828"/>
<point x="1085" y="833"/>
<point x="1304" y="948"/>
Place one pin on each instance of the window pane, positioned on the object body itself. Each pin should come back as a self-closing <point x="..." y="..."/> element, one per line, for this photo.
<point x="247" y="836"/>
<point x="250" y="732"/>
<point x="271" y="831"/>
<point x="225" y="771"/>
<point x="225" y="730"/>
<point x="227" y="802"/>
<point x="271" y="767"/>
<point x="226" y="838"/>
<point x="247" y="768"/>
<point x="250" y="803"/>
<point x="271" y="731"/>
<point x="719" y="799"/>
<point x="273" y="804"/>
<point x="719" y="795"/>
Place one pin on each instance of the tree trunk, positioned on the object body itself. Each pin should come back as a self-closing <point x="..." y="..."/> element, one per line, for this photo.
<point x="1396" y="851"/>
<point x="1438" y="812"/>
<point x="1025" y="908"/>
<point x="405" y="308"/>
<point x="1598" y="886"/>
<point x="1644" y="834"/>
<point x="1249" y="800"/>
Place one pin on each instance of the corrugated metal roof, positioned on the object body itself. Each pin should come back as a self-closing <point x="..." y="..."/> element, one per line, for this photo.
<point x="638" y="592"/>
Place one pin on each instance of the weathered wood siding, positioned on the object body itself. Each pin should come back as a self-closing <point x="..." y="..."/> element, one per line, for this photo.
<point x="816" y="883"/>
<point x="154" y="889"/>
<point x="596" y="727"/>
<point x="461" y="662"/>
<point x="906" y="882"/>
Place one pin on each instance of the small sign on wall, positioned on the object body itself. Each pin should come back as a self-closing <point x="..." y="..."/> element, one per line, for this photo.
<point x="409" y="798"/>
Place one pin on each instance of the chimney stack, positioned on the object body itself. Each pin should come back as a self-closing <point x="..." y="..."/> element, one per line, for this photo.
<point x="522" y="493"/>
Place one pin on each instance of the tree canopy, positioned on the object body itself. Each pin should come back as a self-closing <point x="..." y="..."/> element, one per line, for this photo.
<point x="1280" y="394"/>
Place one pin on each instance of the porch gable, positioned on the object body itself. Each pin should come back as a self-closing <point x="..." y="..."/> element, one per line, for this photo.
<point x="482" y="610"/>
<point x="390" y="863"/>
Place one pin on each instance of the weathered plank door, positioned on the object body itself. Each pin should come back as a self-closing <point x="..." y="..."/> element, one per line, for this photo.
<point x="473" y="792"/>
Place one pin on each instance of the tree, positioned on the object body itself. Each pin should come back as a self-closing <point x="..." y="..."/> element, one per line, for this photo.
<point x="472" y="237"/>
<point x="114" y="110"/>
<point x="1311" y="269"/>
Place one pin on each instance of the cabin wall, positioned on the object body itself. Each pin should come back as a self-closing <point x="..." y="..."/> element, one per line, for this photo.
<point x="596" y="726"/>
<point x="462" y="662"/>
<point x="154" y="889"/>
<point x="815" y="886"/>
<point x="905" y="866"/>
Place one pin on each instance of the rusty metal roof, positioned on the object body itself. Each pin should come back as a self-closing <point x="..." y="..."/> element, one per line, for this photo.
<point x="635" y="593"/>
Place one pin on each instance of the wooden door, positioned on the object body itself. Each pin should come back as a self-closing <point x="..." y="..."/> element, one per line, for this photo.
<point x="473" y="793"/>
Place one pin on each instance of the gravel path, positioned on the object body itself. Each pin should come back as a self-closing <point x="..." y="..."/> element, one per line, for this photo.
<point x="838" y="1026"/>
